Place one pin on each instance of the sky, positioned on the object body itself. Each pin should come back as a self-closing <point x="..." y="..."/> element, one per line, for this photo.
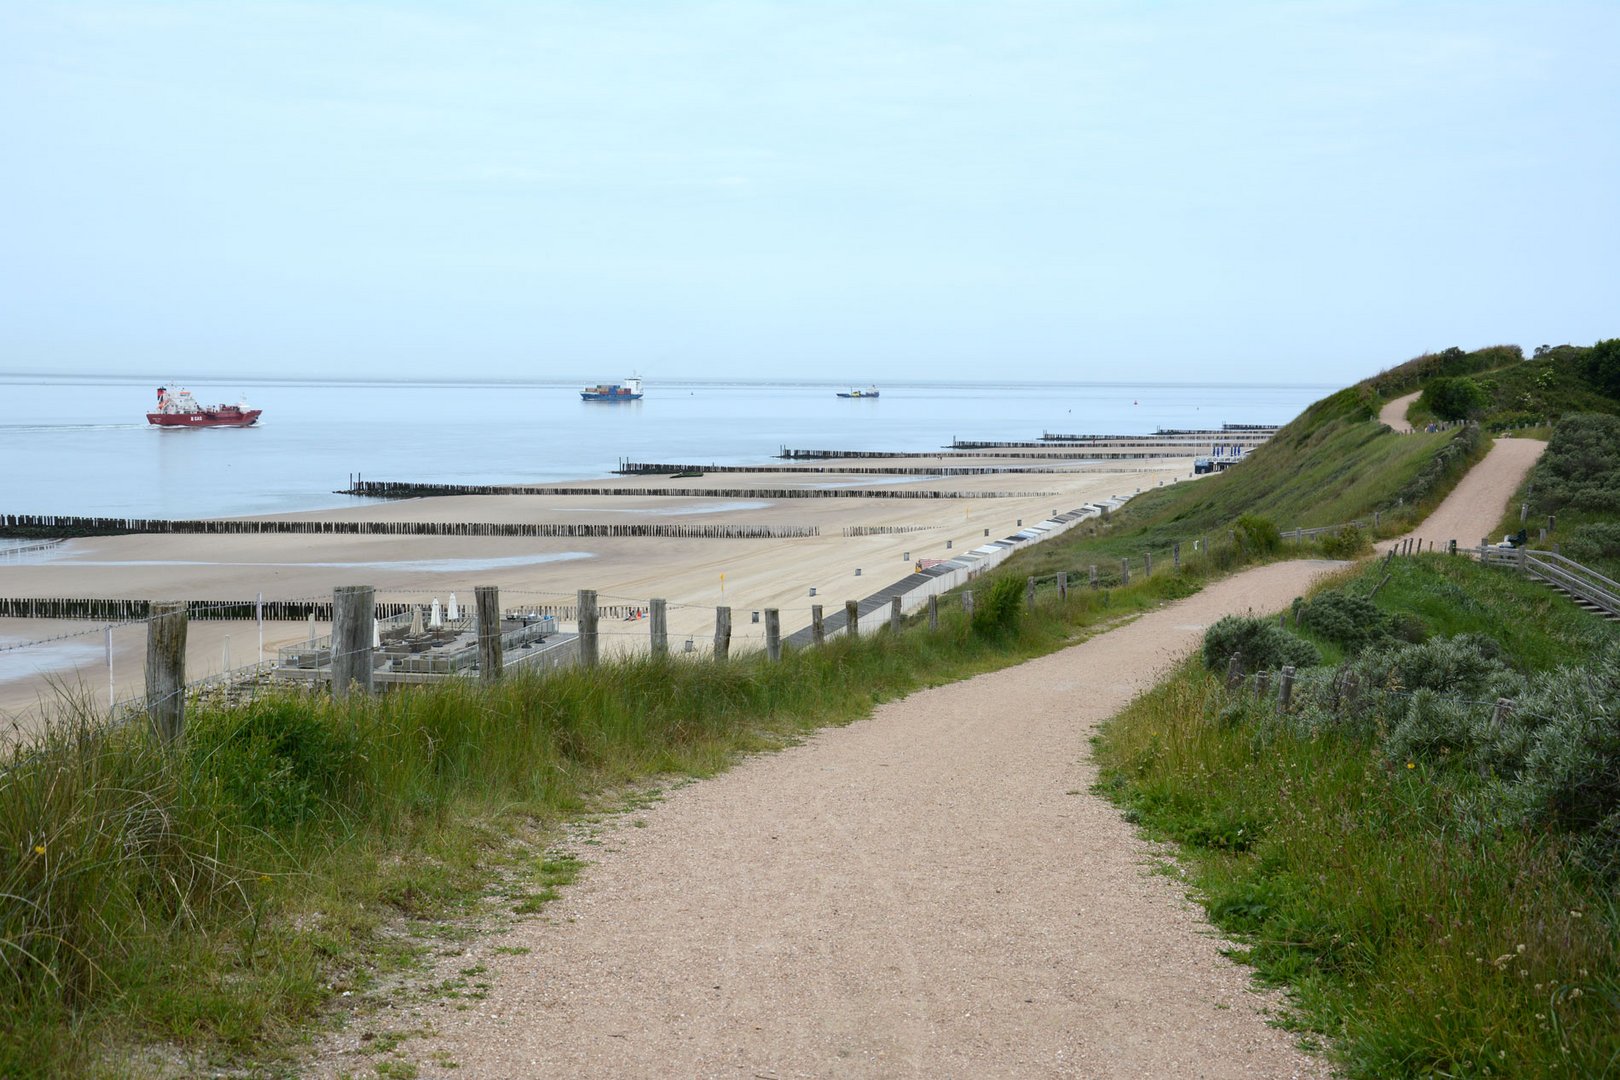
<point x="859" y="191"/>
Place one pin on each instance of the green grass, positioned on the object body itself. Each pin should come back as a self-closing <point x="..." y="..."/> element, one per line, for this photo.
<point x="1415" y="942"/>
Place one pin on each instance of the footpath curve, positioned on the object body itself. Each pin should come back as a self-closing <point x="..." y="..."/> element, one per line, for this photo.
<point x="1474" y="507"/>
<point x="1394" y="413"/>
<point x="930" y="892"/>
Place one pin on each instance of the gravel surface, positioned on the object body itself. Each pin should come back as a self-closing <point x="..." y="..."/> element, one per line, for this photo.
<point x="930" y="892"/>
<point x="1394" y="412"/>
<point x="1475" y="505"/>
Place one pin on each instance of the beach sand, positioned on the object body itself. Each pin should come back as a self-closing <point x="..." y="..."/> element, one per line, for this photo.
<point x="693" y="575"/>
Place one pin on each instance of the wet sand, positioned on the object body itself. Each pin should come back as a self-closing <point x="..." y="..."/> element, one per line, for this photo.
<point x="693" y="575"/>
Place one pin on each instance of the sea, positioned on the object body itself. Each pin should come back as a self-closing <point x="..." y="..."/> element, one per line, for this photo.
<point x="81" y="445"/>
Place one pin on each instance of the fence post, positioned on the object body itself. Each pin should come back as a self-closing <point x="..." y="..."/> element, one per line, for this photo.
<point x="1234" y="670"/>
<point x="589" y="640"/>
<point x="1029" y="593"/>
<point x="818" y="626"/>
<point x="1285" y="690"/>
<point x="1520" y="558"/>
<point x="1451" y="547"/>
<point x="933" y="612"/>
<point x="1175" y="555"/>
<point x="1147" y="564"/>
<point x="166" y="669"/>
<point x="967" y="602"/>
<point x="354" y="617"/>
<point x="895" y="619"/>
<point x="1093" y="575"/>
<point x="658" y="615"/>
<point x="490" y="661"/>
<point x="1125" y="571"/>
<point x="852" y="617"/>
<point x="1500" y="714"/>
<point x="722" y="633"/>
<point x="773" y="634"/>
<point x="1063" y="585"/>
<point x="1262" y="682"/>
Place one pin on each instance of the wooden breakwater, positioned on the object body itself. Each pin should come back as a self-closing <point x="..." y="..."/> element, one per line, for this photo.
<point x="885" y="530"/>
<point x="57" y="525"/>
<point x="637" y="468"/>
<point x="120" y="609"/>
<point x="952" y="453"/>
<point x="392" y="489"/>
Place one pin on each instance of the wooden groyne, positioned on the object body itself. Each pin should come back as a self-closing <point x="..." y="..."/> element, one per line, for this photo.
<point x="119" y="609"/>
<point x="390" y="489"/>
<point x="54" y="525"/>
<point x="885" y="530"/>
<point x="636" y="468"/>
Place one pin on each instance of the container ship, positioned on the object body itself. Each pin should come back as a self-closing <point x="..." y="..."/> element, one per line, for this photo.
<point x="857" y="392"/>
<point x="629" y="390"/>
<point x="177" y="408"/>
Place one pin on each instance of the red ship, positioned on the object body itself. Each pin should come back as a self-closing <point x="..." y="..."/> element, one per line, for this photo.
<point x="177" y="408"/>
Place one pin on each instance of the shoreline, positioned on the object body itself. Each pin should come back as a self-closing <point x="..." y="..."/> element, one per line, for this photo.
<point x="692" y="575"/>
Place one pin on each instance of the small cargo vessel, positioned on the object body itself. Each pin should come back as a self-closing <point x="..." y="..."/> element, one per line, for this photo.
<point x="857" y="392"/>
<point x="629" y="390"/>
<point x="177" y="408"/>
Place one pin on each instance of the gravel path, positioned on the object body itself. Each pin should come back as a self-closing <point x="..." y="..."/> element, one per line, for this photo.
<point x="1475" y="505"/>
<point x="1394" y="412"/>
<point x="929" y="892"/>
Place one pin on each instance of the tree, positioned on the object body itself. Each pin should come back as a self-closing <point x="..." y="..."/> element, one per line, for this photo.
<point x="1453" y="398"/>
<point x="1603" y="366"/>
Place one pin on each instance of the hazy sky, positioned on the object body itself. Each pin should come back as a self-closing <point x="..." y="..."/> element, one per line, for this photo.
<point x="870" y="190"/>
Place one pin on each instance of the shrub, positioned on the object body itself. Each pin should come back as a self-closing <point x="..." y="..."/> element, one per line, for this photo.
<point x="1600" y="540"/>
<point x="1000" y="606"/>
<point x="1453" y="397"/>
<point x="1581" y="467"/>
<point x="1345" y="618"/>
<point x="1348" y="543"/>
<point x="1258" y="534"/>
<point x="1602" y="367"/>
<point x="1261" y="643"/>
<point x="274" y="763"/>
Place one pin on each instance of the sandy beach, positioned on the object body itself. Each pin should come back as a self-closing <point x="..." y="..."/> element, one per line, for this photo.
<point x="693" y="575"/>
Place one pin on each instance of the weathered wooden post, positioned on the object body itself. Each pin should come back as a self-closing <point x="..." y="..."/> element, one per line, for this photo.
<point x="1524" y="513"/>
<point x="589" y="650"/>
<point x="166" y="669"/>
<point x="818" y="626"/>
<point x="933" y="612"/>
<point x="1499" y="715"/>
<point x="1094" y="575"/>
<point x="722" y="633"/>
<point x="1125" y="571"/>
<point x="773" y="634"/>
<point x="1234" y="671"/>
<point x="658" y="616"/>
<point x="967" y="602"/>
<point x="1029" y="593"/>
<point x="1262" y="682"/>
<point x="1552" y="522"/>
<point x="896" y="620"/>
<point x="490" y="661"/>
<point x="1147" y="564"/>
<point x="354" y="617"/>
<point x="1063" y="584"/>
<point x="1285" y="690"/>
<point x="1377" y="515"/>
<point x="1175" y="555"/>
<point x="1451" y="547"/>
<point x="852" y="617"/>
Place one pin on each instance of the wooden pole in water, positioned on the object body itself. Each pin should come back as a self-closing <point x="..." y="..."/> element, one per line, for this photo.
<point x="589" y="648"/>
<point x="773" y="634"/>
<point x="353" y="619"/>
<point x="490" y="661"/>
<point x="722" y="633"/>
<point x="658" y="615"/>
<point x="166" y="669"/>
<point x="852" y="617"/>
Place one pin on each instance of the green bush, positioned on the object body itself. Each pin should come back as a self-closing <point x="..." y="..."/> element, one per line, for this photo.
<point x="1453" y="397"/>
<point x="1258" y="534"/>
<point x="1347" y="543"/>
<point x="1261" y="644"/>
<point x="276" y="762"/>
<point x="1581" y="467"/>
<point x="1599" y="540"/>
<point x="1345" y="618"/>
<point x="999" y="607"/>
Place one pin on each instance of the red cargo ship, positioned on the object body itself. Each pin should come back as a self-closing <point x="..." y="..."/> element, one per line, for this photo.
<point x="177" y="408"/>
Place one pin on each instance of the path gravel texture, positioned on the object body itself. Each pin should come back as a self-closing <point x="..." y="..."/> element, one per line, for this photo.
<point x="1394" y="412"/>
<point x="1474" y="507"/>
<point x="930" y="892"/>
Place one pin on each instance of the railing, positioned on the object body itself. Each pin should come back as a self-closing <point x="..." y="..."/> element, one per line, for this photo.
<point x="1580" y="582"/>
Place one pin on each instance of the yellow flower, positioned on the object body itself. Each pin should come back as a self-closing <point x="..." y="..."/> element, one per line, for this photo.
<point x="1411" y="764"/>
<point x="39" y="849"/>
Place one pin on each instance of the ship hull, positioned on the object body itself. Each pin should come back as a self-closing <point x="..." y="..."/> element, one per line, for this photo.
<point x="586" y="395"/>
<point x="206" y="418"/>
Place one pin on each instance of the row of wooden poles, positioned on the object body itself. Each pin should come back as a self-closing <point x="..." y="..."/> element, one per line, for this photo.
<point x="636" y="468"/>
<point x="35" y="525"/>
<point x="406" y="489"/>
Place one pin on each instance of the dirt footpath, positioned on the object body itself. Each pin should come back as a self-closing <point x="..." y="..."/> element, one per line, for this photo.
<point x="1475" y="505"/>
<point x="1394" y="412"/>
<point x="929" y="892"/>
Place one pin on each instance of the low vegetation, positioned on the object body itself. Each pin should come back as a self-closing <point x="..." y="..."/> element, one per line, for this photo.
<point x="1432" y="875"/>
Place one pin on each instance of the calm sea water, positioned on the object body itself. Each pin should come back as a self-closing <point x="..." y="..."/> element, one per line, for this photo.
<point x="82" y="446"/>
